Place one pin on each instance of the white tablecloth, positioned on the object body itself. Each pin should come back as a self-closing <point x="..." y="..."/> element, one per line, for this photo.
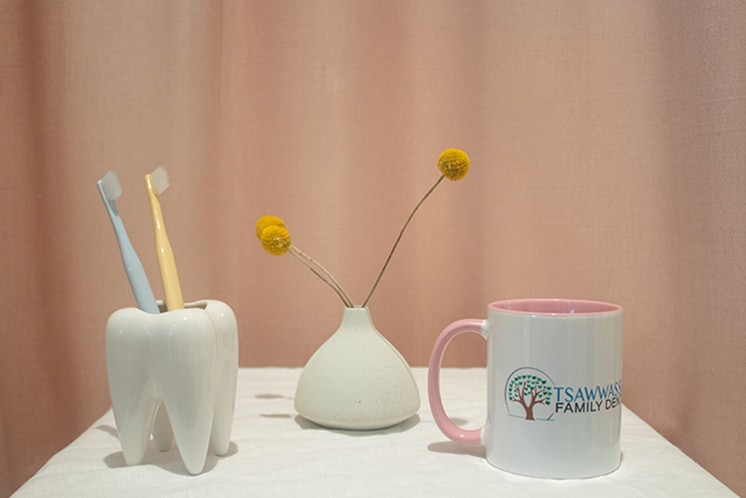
<point x="275" y="453"/>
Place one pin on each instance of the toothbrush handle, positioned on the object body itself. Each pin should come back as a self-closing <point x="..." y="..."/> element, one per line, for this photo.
<point x="166" y="261"/>
<point x="136" y="274"/>
<point x="132" y="266"/>
<point x="171" y="287"/>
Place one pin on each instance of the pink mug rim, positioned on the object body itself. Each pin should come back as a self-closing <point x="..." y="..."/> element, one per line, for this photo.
<point x="554" y="307"/>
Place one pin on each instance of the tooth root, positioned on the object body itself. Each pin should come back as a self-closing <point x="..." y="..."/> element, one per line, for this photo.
<point x="220" y="437"/>
<point x="134" y="432"/>
<point x="187" y="388"/>
<point x="192" y="434"/>
<point x="225" y="396"/>
<point x="134" y="409"/>
<point x="132" y="396"/>
<point x="162" y="433"/>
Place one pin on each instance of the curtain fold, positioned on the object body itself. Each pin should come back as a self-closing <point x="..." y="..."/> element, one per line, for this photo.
<point x="607" y="148"/>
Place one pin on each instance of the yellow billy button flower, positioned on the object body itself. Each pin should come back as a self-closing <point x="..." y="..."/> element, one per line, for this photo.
<point x="267" y="221"/>
<point x="276" y="240"/>
<point x="454" y="164"/>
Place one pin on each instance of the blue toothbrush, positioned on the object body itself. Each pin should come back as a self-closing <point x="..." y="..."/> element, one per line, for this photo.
<point x="110" y="190"/>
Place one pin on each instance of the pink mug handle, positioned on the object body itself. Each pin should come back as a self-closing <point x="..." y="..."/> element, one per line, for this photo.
<point x="444" y="423"/>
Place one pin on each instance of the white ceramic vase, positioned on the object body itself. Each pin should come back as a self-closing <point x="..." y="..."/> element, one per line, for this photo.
<point x="357" y="379"/>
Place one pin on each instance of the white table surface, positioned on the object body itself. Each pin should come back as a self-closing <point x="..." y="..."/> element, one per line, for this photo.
<point x="276" y="453"/>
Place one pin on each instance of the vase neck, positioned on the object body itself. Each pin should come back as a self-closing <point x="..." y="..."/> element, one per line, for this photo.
<point x="356" y="317"/>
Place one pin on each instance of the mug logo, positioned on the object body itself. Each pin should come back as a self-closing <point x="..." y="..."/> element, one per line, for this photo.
<point x="528" y="394"/>
<point x="531" y="394"/>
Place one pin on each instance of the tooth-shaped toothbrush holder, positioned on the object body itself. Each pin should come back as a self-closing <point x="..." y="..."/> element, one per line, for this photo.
<point x="174" y="375"/>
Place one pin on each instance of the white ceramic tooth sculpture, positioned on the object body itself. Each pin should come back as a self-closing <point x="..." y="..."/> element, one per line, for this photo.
<point x="185" y="361"/>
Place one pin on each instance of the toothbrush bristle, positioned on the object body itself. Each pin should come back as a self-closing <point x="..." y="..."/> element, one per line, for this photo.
<point x="111" y="186"/>
<point x="159" y="180"/>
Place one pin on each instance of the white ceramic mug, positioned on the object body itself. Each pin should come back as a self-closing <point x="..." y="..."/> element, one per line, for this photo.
<point x="554" y="382"/>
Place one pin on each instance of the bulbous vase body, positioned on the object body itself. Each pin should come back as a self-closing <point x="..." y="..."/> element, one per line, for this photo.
<point x="357" y="379"/>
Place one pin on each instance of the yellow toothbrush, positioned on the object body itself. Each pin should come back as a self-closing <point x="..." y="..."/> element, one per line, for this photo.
<point x="157" y="183"/>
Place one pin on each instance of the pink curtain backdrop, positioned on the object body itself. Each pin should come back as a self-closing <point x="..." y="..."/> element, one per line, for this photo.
<point x="607" y="141"/>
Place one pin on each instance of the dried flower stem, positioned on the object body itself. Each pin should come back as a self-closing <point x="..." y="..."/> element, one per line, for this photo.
<point x="396" y="243"/>
<point x="322" y="273"/>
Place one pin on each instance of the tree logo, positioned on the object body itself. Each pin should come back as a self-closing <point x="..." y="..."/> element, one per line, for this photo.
<point x="528" y="394"/>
